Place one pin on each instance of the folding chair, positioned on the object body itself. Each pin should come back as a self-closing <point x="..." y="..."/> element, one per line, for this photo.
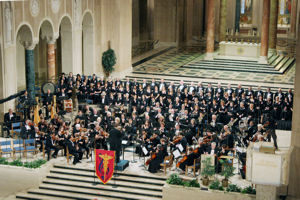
<point x="68" y="155"/>
<point x="168" y="163"/>
<point x="5" y="148"/>
<point x="195" y="166"/>
<point x="18" y="146"/>
<point x="15" y="129"/>
<point x="30" y="146"/>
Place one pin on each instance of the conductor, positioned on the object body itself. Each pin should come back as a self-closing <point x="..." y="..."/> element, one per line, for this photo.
<point x="115" y="139"/>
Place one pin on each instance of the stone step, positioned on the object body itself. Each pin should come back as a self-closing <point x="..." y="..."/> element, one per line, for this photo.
<point x="36" y="197"/>
<point x="91" y="180"/>
<point x="231" y="65"/>
<point x="93" y="192"/>
<point x="155" y="177"/>
<point x="109" y="188"/>
<point x="279" y="65"/>
<point x="119" y="178"/>
<point x="69" y="195"/>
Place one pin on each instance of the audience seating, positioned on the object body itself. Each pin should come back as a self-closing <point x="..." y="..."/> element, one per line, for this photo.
<point x="168" y="163"/>
<point x="30" y="146"/>
<point x="6" y="148"/>
<point x="18" y="147"/>
<point x="15" y="129"/>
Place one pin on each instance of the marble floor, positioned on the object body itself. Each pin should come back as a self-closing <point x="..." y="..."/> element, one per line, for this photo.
<point x="169" y="64"/>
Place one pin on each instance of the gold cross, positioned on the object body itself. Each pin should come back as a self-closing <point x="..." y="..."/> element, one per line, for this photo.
<point x="105" y="158"/>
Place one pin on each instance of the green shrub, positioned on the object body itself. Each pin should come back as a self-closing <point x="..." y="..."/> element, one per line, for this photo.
<point x="174" y="179"/>
<point x="228" y="170"/>
<point x="17" y="162"/>
<point x="3" y="161"/>
<point x="35" y="164"/>
<point x="208" y="168"/>
<point x="249" y="190"/>
<point x="233" y="188"/>
<point x="216" y="185"/>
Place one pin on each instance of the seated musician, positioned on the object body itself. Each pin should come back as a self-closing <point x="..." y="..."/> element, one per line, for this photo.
<point x="157" y="158"/>
<point x="27" y="131"/>
<point x="9" y="118"/>
<point x="47" y="101"/>
<point x="39" y="137"/>
<point x="191" y="155"/>
<point x="61" y="139"/>
<point x="227" y="138"/>
<point x="51" y="145"/>
<point x="74" y="149"/>
<point x="83" y="144"/>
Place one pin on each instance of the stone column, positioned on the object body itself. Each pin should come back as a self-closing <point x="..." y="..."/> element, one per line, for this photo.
<point x="265" y="32"/>
<point x="294" y="175"/>
<point x="210" y="30"/>
<point x="273" y="26"/>
<point x="51" y="60"/>
<point x="30" y="76"/>
<point x="223" y="18"/>
<point x="293" y="17"/>
<point x="237" y="15"/>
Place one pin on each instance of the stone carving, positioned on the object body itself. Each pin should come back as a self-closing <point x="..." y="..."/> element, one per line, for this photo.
<point x="8" y="20"/>
<point x="55" y="5"/>
<point x="34" y="7"/>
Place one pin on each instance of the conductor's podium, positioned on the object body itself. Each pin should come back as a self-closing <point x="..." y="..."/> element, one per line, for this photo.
<point x="121" y="166"/>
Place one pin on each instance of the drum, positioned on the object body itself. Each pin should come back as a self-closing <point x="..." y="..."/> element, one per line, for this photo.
<point x="68" y="105"/>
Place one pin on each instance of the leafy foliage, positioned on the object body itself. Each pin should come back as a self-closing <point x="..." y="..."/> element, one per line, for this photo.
<point x="228" y="170"/>
<point x="3" y="161"/>
<point x="109" y="60"/>
<point x="233" y="188"/>
<point x="174" y="179"/>
<point x="17" y="162"/>
<point x="33" y="164"/>
<point x="249" y="190"/>
<point x="208" y="168"/>
<point x="216" y="185"/>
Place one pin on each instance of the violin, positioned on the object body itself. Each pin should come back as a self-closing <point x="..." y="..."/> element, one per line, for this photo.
<point x="152" y="157"/>
<point x="177" y="139"/>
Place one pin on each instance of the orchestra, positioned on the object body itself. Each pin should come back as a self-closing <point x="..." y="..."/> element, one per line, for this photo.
<point x="158" y="117"/>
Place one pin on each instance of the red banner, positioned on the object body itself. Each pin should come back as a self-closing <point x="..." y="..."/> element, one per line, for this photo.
<point x="105" y="164"/>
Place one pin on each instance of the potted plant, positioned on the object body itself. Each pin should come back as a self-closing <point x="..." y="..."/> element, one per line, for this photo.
<point x="227" y="172"/>
<point x="207" y="171"/>
<point x="108" y="61"/>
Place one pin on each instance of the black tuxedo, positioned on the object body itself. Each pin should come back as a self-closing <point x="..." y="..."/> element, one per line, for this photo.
<point x="49" y="146"/>
<point x="115" y="141"/>
<point x="72" y="150"/>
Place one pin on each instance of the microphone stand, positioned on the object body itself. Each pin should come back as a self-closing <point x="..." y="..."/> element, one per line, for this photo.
<point x="94" y="183"/>
<point x="133" y="142"/>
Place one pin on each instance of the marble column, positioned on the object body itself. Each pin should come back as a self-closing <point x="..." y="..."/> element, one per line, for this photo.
<point x="294" y="175"/>
<point x="223" y="18"/>
<point x="273" y="26"/>
<point x="51" y="60"/>
<point x="265" y="32"/>
<point x="237" y="15"/>
<point x="294" y="17"/>
<point x="210" y="30"/>
<point x="30" y="76"/>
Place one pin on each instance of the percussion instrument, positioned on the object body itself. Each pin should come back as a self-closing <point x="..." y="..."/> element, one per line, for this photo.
<point x="68" y="105"/>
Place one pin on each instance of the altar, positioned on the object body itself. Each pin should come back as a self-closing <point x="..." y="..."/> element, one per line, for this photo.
<point x="241" y="49"/>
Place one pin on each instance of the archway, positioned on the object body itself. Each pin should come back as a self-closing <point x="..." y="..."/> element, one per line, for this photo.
<point x="24" y="38"/>
<point x="64" y="54"/>
<point x="87" y="44"/>
<point x="41" y="53"/>
<point x="2" y="82"/>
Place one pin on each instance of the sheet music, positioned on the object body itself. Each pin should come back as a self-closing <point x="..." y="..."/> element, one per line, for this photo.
<point x="180" y="147"/>
<point x="145" y="151"/>
<point x="176" y="154"/>
<point x="124" y="142"/>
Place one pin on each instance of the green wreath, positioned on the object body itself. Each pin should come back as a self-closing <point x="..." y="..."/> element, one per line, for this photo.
<point x="109" y="60"/>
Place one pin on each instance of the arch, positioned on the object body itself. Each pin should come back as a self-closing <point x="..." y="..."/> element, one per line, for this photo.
<point x="61" y="18"/>
<point x="88" y="43"/>
<point x="24" y="34"/>
<point x="65" y="46"/>
<point x="45" y="21"/>
<point x="21" y="25"/>
<point x="86" y="12"/>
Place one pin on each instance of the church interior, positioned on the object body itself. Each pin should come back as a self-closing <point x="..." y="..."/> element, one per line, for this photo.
<point x="159" y="99"/>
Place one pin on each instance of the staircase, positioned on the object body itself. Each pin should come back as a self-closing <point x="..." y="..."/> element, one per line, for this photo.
<point x="277" y="65"/>
<point x="68" y="182"/>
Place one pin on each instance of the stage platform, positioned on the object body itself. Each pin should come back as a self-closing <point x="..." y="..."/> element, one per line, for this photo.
<point x="121" y="166"/>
